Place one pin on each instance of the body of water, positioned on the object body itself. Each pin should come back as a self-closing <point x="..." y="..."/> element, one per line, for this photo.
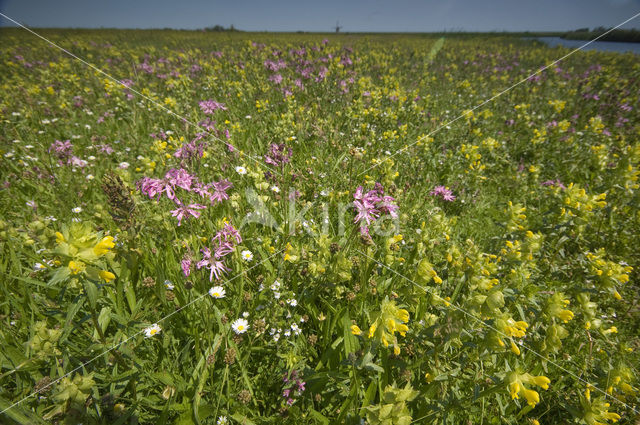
<point x="603" y="46"/>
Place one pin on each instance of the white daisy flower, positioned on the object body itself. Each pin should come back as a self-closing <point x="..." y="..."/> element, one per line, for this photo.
<point x="247" y="255"/>
<point x="169" y="285"/>
<point x="90" y="177"/>
<point x="241" y="170"/>
<point x="245" y="314"/>
<point x="276" y="295"/>
<point x="275" y="285"/>
<point x="292" y="302"/>
<point x="38" y="267"/>
<point x="152" y="330"/>
<point x="222" y="420"/>
<point x="124" y="165"/>
<point x="287" y="333"/>
<point x="240" y="326"/>
<point x="276" y="337"/>
<point x="276" y="189"/>
<point x="217" y="292"/>
<point x="77" y="210"/>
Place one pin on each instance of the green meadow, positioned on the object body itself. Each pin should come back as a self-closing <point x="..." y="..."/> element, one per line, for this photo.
<point x="253" y="228"/>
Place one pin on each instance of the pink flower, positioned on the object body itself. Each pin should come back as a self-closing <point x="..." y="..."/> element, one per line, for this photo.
<point x="190" y="210"/>
<point x="279" y="154"/>
<point x="370" y="205"/>
<point x="186" y="266"/>
<point x="444" y="193"/>
<point x="215" y="266"/>
<point x="387" y="205"/>
<point x="211" y="106"/>
<point x="220" y="190"/>
<point x="180" y="178"/>
<point x="366" y="212"/>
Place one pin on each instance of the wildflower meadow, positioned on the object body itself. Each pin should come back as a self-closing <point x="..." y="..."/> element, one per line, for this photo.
<point x="245" y="228"/>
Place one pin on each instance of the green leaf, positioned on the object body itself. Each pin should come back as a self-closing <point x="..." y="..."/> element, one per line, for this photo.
<point x="242" y="419"/>
<point x="18" y="414"/>
<point x="131" y="297"/>
<point x="91" y="290"/>
<point x="351" y="344"/>
<point x="104" y="318"/>
<point x="370" y="393"/>
<point x="164" y="377"/>
<point x="319" y="417"/>
<point x="73" y="310"/>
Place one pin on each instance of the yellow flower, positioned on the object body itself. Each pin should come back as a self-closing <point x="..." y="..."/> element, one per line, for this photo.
<point x="612" y="416"/>
<point x="391" y="325"/>
<point x="356" y="330"/>
<point x="104" y="246"/>
<point x="514" y="389"/>
<point x="59" y="238"/>
<point x="402" y="329"/>
<point x="384" y="341"/>
<point x="514" y="349"/>
<point x="532" y="397"/>
<point x="396" y="350"/>
<point x="76" y="267"/>
<point x="107" y="275"/>
<point x="541" y="381"/>
<point x="565" y="315"/>
<point x="372" y="331"/>
<point x="403" y="315"/>
<point x="516" y="386"/>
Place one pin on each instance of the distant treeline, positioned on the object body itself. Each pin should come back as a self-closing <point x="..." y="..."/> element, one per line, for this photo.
<point x="631" y="36"/>
<point x="220" y="28"/>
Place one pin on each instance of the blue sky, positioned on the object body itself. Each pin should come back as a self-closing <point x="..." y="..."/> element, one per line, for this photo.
<point x="354" y="15"/>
